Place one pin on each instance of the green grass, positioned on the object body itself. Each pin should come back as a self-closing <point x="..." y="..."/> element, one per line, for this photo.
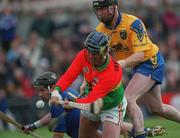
<point x="173" y="130"/>
<point x="42" y="132"/>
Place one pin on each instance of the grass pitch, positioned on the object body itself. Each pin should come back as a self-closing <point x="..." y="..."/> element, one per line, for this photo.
<point x="173" y="130"/>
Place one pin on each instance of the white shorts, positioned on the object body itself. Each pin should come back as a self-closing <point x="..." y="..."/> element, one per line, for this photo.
<point x="114" y="115"/>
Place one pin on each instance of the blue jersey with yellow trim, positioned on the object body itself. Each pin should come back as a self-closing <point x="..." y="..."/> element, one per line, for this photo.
<point x="129" y="36"/>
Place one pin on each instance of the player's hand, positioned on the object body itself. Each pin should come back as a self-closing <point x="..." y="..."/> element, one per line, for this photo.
<point x="66" y="105"/>
<point x="31" y="127"/>
<point x="82" y="87"/>
<point x="27" y="128"/>
<point x="97" y="106"/>
<point x="55" y="97"/>
<point x="122" y="63"/>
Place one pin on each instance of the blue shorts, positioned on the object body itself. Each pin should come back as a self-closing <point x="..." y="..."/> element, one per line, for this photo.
<point x="68" y="124"/>
<point x="154" y="67"/>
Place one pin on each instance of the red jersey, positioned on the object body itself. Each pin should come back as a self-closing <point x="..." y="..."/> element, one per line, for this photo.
<point x="104" y="81"/>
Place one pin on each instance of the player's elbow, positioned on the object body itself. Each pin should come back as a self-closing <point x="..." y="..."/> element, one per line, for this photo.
<point x="140" y="56"/>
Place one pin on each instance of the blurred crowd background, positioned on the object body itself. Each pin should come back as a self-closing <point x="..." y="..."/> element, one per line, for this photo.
<point x="45" y="35"/>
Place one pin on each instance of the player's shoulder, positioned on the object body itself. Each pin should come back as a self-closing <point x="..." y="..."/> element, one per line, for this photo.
<point x="128" y="19"/>
<point x="114" y="66"/>
<point x="129" y="16"/>
<point x="81" y="53"/>
<point x="134" y="23"/>
<point x="113" y="72"/>
<point x="100" y="27"/>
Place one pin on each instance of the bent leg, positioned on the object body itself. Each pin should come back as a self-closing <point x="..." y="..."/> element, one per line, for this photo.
<point x="136" y="88"/>
<point x="88" y="128"/>
<point x="110" y="130"/>
<point x="154" y="103"/>
<point x="126" y="127"/>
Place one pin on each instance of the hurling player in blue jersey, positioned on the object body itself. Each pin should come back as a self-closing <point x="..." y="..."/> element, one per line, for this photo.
<point x="68" y="121"/>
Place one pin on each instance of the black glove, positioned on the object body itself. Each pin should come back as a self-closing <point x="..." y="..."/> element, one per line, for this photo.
<point x="96" y="106"/>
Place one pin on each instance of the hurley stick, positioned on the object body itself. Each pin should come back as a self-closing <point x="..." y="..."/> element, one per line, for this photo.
<point x="15" y="123"/>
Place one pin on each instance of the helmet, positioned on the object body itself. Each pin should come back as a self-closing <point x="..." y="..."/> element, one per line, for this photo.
<point x="107" y="17"/>
<point x="104" y="3"/>
<point x="97" y="42"/>
<point x="45" y="79"/>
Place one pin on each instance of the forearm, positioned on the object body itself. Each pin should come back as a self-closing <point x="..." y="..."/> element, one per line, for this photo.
<point x="43" y="121"/>
<point x="83" y="86"/>
<point x="46" y="119"/>
<point x="132" y="60"/>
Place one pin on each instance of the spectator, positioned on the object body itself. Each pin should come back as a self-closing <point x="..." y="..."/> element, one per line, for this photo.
<point x="8" y="24"/>
<point x="43" y="25"/>
<point x="170" y="19"/>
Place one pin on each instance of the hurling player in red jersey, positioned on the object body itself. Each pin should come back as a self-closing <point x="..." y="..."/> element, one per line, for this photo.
<point x="103" y="77"/>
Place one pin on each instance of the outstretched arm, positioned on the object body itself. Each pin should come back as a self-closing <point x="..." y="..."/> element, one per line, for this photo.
<point x="43" y="121"/>
<point x="132" y="60"/>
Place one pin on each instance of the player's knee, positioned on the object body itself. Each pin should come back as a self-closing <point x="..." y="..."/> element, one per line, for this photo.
<point x="157" y="110"/>
<point x="130" y="99"/>
<point x="130" y="106"/>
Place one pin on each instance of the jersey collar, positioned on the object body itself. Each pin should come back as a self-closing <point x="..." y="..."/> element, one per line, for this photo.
<point x="117" y="22"/>
<point x="101" y="68"/>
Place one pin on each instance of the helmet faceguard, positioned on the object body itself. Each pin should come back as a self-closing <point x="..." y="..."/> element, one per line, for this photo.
<point x="108" y="8"/>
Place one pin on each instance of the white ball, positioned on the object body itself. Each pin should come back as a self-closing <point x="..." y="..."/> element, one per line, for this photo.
<point x="40" y="104"/>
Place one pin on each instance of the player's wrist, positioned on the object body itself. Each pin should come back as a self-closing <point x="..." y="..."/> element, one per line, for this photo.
<point x="37" y="124"/>
<point x="55" y="93"/>
<point x="122" y="63"/>
<point x="74" y="99"/>
<point x="57" y="88"/>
